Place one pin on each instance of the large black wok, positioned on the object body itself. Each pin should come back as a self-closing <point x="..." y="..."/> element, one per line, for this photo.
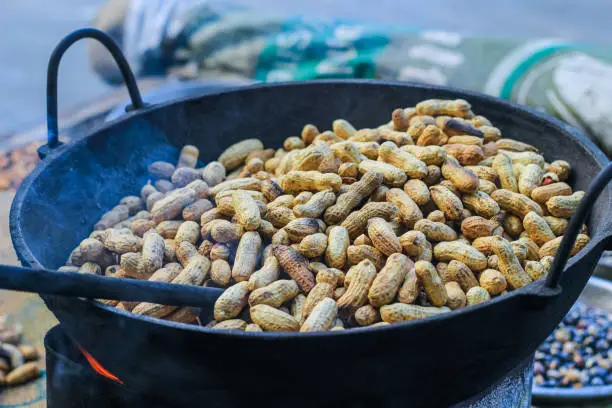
<point x="432" y="362"/>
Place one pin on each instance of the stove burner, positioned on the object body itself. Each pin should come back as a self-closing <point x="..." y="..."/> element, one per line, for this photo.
<point x="73" y="382"/>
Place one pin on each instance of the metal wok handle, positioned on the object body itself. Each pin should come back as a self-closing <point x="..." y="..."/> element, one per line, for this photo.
<point x="72" y="284"/>
<point x="569" y="237"/>
<point x="52" y="71"/>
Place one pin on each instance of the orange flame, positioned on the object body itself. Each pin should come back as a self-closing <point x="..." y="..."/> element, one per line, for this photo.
<point x="98" y="368"/>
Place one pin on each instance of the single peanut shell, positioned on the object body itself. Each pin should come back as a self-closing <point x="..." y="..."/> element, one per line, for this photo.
<point x="295" y="265"/>
<point x="388" y="280"/>
<point x="322" y="316"/>
<point x="271" y="319"/>
<point x="456" y="296"/>
<point x="400" y="312"/>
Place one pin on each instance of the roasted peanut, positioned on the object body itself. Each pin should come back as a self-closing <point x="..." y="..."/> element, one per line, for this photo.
<point x="465" y="140"/>
<point x="460" y="273"/>
<point x="310" y="180"/>
<point x="459" y="251"/>
<point x="301" y="227"/>
<point x="564" y="206"/>
<point x="317" y="204"/>
<point x="243" y="183"/>
<point x="502" y="164"/>
<point x="509" y="264"/>
<point x="247" y="211"/>
<point x="418" y="191"/>
<point x="477" y="295"/>
<point x="513" y="225"/>
<point x="435" y="107"/>
<point x="476" y="226"/>
<point x="231" y="324"/>
<point x="447" y="202"/>
<point x="481" y="203"/>
<point x="313" y="245"/>
<point x="544" y="193"/>
<point x="321" y="317"/>
<point x="431" y="136"/>
<point x="392" y="175"/>
<point x="409" y="290"/>
<point x="492" y="281"/>
<point x="295" y="265"/>
<point x="271" y="319"/>
<point x="358" y="253"/>
<point x="356" y="294"/>
<point x="362" y="240"/>
<point x="400" y="312"/>
<point x="268" y="273"/>
<point x="399" y="138"/>
<point x="274" y="294"/>
<point x="530" y="179"/>
<point x="515" y="203"/>
<point x="557" y="225"/>
<point x="309" y="132"/>
<point x="236" y="154"/>
<point x="466" y="155"/>
<point x="188" y="156"/>
<point x="383" y="237"/>
<point x="231" y="302"/>
<point x="337" y="242"/>
<point x="433" y="175"/>
<point x="550" y="248"/>
<point x="116" y="215"/>
<point x="366" y="135"/>
<point x="184" y="175"/>
<point x="172" y="204"/>
<point x="185" y="251"/>
<point x="161" y="169"/>
<point x="432" y="284"/>
<point x="221" y="272"/>
<point x="356" y="222"/>
<point x="343" y="128"/>
<point x="390" y="153"/>
<point x="220" y="251"/>
<point x="538" y="229"/>
<point x="366" y="315"/>
<point x="387" y="282"/>
<point x="246" y="256"/>
<point x="456" y="296"/>
<point x="535" y="270"/>
<point x="400" y="118"/>
<point x="561" y="168"/>
<point x="213" y="173"/>
<point x="408" y="211"/>
<point x="413" y="243"/>
<point x="435" y="231"/>
<point x="189" y="231"/>
<point x="463" y="179"/>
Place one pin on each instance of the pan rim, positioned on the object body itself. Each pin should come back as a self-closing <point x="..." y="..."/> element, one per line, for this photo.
<point x="27" y="258"/>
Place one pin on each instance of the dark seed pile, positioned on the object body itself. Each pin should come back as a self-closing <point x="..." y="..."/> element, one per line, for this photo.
<point x="577" y="354"/>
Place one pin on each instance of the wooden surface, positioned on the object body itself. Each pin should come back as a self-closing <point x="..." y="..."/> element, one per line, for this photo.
<point x="30" y="311"/>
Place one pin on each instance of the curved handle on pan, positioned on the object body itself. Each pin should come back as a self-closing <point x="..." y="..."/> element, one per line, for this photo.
<point x="72" y="284"/>
<point x="569" y="237"/>
<point x="52" y="71"/>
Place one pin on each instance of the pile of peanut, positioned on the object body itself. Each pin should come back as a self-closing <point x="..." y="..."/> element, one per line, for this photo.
<point x="430" y="212"/>
<point x="17" y="359"/>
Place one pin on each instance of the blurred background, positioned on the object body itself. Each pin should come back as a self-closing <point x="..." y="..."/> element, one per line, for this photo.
<point x="29" y="30"/>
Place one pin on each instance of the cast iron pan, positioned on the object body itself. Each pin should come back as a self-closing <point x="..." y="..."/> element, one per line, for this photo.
<point x="431" y="362"/>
